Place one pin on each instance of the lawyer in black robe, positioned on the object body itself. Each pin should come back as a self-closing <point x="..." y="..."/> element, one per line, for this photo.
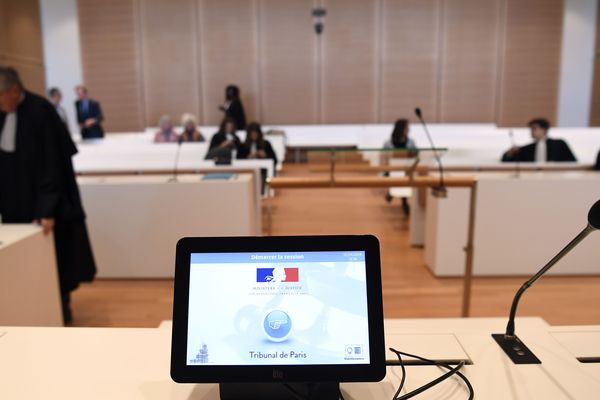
<point x="37" y="182"/>
<point x="557" y="150"/>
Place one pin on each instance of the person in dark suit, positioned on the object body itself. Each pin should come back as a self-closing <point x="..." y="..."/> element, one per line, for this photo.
<point x="224" y="142"/>
<point x="597" y="166"/>
<point x="37" y="181"/>
<point x="255" y="146"/>
<point x="542" y="149"/>
<point x="89" y="115"/>
<point x="233" y="107"/>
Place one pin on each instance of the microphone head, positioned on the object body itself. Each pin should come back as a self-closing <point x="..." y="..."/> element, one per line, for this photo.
<point x="594" y="216"/>
<point x="418" y="112"/>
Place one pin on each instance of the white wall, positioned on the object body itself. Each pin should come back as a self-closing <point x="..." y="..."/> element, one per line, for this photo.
<point x="62" y="52"/>
<point x="577" y="63"/>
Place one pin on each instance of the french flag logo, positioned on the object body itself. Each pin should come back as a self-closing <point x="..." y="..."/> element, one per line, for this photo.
<point x="276" y="274"/>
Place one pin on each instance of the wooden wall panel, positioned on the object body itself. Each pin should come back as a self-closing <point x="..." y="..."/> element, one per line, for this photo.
<point x="111" y="60"/>
<point x="21" y="42"/>
<point x="470" y="36"/>
<point x="349" y="60"/>
<point x="287" y="62"/>
<point x="170" y="59"/>
<point x="595" y="109"/>
<point x="409" y="59"/>
<point x="228" y="42"/>
<point x="529" y="86"/>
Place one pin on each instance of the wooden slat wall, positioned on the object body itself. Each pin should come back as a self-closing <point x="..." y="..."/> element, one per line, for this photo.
<point x="595" y="111"/>
<point x="529" y="86"/>
<point x="170" y="59"/>
<point x="111" y="60"/>
<point x="459" y="60"/>
<point x="21" y="42"/>
<point x="469" y="60"/>
<point x="409" y="59"/>
<point x="349" y="60"/>
<point x="287" y="62"/>
<point x="228" y="42"/>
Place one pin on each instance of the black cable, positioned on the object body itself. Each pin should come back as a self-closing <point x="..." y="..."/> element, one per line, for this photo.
<point x="451" y="371"/>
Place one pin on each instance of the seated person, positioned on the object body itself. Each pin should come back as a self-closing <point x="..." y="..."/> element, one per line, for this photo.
<point x="255" y="145"/>
<point x="542" y="149"/>
<point x="166" y="133"/>
<point x="190" y="129"/>
<point x="398" y="140"/>
<point x="224" y="142"/>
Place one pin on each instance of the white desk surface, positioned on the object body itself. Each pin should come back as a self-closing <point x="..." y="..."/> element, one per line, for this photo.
<point x="121" y="363"/>
<point x="13" y="233"/>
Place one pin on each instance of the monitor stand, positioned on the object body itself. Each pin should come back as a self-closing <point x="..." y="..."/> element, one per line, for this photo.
<point x="280" y="391"/>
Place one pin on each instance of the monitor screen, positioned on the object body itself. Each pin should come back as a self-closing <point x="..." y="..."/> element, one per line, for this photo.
<point x="278" y="308"/>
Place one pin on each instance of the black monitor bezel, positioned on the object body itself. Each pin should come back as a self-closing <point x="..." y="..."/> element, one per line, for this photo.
<point x="183" y="373"/>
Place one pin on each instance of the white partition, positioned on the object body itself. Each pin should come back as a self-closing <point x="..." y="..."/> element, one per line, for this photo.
<point x="29" y="288"/>
<point x="136" y="221"/>
<point x="520" y="224"/>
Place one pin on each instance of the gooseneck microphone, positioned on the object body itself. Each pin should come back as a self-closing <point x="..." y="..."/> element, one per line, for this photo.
<point x="510" y="343"/>
<point x="176" y="165"/>
<point x="439" y="190"/>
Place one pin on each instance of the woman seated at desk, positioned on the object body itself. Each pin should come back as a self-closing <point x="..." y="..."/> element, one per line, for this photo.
<point x="399" y="140"/>
<point x="255" y="146"/>
<point x="224" y="142"/>
<point x="190" y="129"/>
<point x="166" y="133"/>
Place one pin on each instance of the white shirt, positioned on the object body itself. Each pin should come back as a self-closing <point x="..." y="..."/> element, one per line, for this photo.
<point x="540" y="151"/>
<point x="9" y="133"/>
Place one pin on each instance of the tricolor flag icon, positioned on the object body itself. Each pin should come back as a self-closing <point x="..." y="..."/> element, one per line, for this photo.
<point x="276" y="274"/>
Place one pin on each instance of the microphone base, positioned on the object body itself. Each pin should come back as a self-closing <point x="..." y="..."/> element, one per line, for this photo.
<point x="516" y="350"/>
<point x="439" y="192"/>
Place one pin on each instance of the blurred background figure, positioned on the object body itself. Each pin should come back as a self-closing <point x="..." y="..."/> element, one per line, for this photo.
<point x="37" y="181"/>
<point x="224" y="143"/>
<point x="233" y="106"/>
<point x="398" y="140"/>
<point x="89" y="115"/>
<point x="543" y="148"/>
<point x="55" y="96"/>
<point x="255" y="145"/>
<point x="166" y="132"/>
<point x="190" y="129"/>
<point x="597" y="166"/>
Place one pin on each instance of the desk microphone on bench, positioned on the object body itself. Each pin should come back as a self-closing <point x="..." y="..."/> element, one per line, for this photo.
<point x="510" y="343"/>
<point x="176" y="165"/>
<point x="438" y="190"/>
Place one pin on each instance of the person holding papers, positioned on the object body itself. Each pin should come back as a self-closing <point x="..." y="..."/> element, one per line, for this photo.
<point x="224" y="143"/>
<point x="543" y="148"/>
<point x="255" y="146"/>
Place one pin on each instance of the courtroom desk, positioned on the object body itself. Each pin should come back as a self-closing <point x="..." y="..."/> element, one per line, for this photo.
<point x="135" y="221"/>
<point x="149" y="157"/>
<point x="520" y="224"/>
<point x="123" y="363"/>
<point x="29" y="291"/>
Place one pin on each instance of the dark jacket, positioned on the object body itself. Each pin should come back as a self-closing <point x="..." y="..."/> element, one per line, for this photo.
<point x="236" y="112"/>
<point x="219" y="138"/>
<point x="556" y="150"/>
<point x="597" y="166"/>
<point x="93" y="111"/>
<point x="37" y="181"/>
<point x="244" y="151"/>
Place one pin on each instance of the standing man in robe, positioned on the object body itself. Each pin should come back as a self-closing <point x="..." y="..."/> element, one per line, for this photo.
<point x="37" y="181"/>
<point x="89" y="115"/>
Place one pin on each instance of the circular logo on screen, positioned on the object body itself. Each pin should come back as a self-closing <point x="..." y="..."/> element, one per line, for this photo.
<point x="277" y="326"/>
